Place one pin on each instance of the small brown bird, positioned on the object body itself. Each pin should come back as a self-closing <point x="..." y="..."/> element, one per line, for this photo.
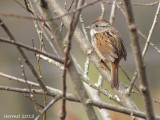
<point x="109" y="46"/>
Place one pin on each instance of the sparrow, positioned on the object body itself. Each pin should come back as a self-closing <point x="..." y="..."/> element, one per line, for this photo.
<point x="109" y="46"/>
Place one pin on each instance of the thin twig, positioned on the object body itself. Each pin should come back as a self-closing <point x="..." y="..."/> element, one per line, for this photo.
<point x="61" y="26"/>
<point x="48" y="106"/>
<point x="151" y="31"/>
<point x="129" y="80"/>
<point x="31" y="97"/>
<point x="36" y="104"/>
<point x="51" y="61"/>
<point x="153" y="45"/>
<point x="100" y="81"/>
<point x="41" y="48"/>
<point x="133" y="91"/>
<point x="83" y="27"/>
<point x="20" y="4"/>
<point x="138" y="4"/>
<point x="103" y="91"/>
<point x="102" y="10"/>
<point x="86" y="68"/>
<point x="156" y="101"/>
<point x="113" y="12"/>
<point x="147" y="4"/>
<point x="5" y="40"/>
<point x="87" y="63"/>
<point x="27" y="7"/>
<point x="23" y="72"/>
<point x="65" y="4"/>
<point x="129" y="89"/>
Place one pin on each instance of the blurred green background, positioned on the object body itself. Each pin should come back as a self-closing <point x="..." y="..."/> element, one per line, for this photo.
<point x="24" y="31"/>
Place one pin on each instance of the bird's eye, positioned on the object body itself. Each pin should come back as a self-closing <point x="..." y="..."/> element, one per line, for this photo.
<point x="96" y="25"/>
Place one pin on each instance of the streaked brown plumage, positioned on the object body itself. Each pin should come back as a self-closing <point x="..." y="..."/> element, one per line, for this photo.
<point x="109" y="46"/>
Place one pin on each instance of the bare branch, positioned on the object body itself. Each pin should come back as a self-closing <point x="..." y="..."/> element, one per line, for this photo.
<point x="145" y="38"/>
<point x="5" y="40"/>
<point x="73" y="25"/>
<point x="99" y="81"/>
<point x="147" y="4"/>
<point x="156" y="101"/>
<point x="51" y="61"/>
<point x="144" y="87"/>
<point x="103" y="10"/>
<point x="103" y="91"/>
<point x="138" y="4"/>
<point x="113" y="12"/>
<point x="120" y="109"/>
<point x="151" y="31"/>
<point x="48" y="106"/>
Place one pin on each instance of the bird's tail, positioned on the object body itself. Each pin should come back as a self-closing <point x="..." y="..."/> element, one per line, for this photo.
<point x="114" y="76"/>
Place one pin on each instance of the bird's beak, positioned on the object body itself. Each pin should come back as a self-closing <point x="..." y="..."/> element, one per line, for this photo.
<point x="89" y="27"/>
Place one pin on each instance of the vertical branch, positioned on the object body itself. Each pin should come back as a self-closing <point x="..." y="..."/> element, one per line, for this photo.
<point x="72" y="27"/>
<point x="113" y="12"/>
<point x="83" y="27"/>
<point x="144" y="87"/>
<point x="86" y="68"/>
<point x="103" y="10"/>
<point x="100" y="81"/>
<point x="65" y="6"/>
<point x="41" y="48"/>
